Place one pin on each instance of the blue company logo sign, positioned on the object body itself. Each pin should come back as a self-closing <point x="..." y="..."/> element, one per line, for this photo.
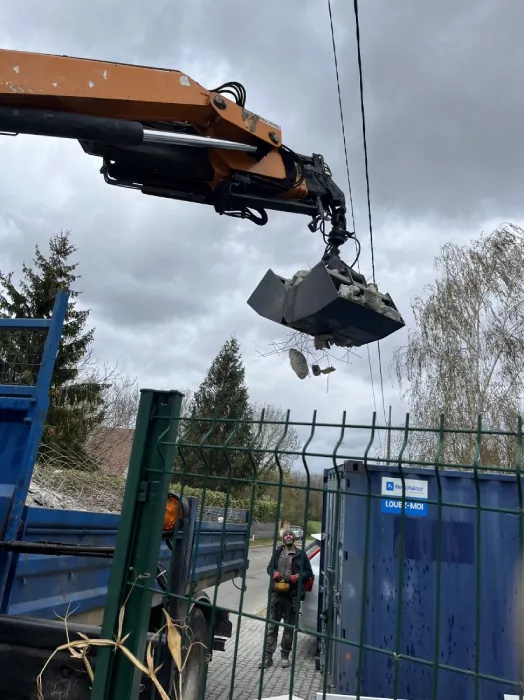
<point x="415" y="491"/>
<point x="412" y="508"/>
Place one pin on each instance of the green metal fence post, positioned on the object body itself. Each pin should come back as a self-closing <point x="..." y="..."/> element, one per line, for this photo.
<point x="138" y="542"/>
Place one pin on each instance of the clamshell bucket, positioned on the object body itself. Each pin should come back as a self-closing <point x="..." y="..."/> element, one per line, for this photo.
<point x="329" y="305"/>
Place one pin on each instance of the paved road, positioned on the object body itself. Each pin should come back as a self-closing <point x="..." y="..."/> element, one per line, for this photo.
<point x="255" y="597"/>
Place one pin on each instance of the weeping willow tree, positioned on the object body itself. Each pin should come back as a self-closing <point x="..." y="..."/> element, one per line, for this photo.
<point x="465" y="358"/>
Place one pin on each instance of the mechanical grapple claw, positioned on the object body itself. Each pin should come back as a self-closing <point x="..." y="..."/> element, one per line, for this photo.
<point x="330" y="302"/>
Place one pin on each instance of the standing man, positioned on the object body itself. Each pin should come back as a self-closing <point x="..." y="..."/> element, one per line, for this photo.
<point x="284" y="568"/>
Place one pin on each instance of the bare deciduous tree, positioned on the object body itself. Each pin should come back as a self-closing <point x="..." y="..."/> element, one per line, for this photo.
<point x="466" y="356"/>
<point x="121" y="399"/>
<point x="297" y="504"/>
<point x="121" y="396"/>
<point x="274" y="435"/>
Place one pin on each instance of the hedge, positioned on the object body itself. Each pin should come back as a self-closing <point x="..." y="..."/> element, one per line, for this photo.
<point x="263" y="511"/>
<point x="314" y="527"/>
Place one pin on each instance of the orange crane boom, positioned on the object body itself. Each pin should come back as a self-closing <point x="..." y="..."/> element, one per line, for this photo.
<point x="161" y="132"/>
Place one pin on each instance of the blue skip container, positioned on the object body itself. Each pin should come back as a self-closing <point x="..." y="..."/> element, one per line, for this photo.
<point x="480" y="557"/>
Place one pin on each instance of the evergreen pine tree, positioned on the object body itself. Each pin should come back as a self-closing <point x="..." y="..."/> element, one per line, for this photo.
<point x="76" y="406"/>
<point x="222" y="394"/>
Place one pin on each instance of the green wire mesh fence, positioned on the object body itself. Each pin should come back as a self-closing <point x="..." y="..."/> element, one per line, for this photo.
<point x="417" y="562"/>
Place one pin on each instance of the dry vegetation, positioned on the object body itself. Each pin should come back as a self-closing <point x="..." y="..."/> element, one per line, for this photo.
<point x="80" y="648"/>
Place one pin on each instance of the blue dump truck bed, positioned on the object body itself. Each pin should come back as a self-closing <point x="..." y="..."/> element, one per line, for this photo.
<point x="46" y="585"/>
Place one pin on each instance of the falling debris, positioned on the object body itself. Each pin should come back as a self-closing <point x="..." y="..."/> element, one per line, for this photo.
<point x="298" y="363"/>
<point x="317" y="371"/>
<point x="315" y="357"/>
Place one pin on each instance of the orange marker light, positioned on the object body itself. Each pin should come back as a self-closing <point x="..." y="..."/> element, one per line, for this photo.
<point x="171" y="513"/>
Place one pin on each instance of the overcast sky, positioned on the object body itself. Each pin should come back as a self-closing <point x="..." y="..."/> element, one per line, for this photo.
<point x="168" y="282"/>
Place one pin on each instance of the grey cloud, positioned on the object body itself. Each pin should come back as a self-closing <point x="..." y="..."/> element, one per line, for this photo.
<point x="444" y="106"/>
<point x="443" y="99"/>
<point x="143" y="261"/>
<point x="86" y="29"/>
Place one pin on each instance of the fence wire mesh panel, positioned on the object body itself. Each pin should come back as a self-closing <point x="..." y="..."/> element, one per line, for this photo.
<point x="403" y="578"/>
<point x="21" y="351"/>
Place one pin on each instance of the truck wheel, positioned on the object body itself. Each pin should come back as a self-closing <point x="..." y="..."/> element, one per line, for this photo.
<point x="195" y="664"/>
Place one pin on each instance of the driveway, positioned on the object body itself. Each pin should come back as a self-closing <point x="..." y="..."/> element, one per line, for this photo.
<point x="276" y="681"/>
<point x="255" y="597"/>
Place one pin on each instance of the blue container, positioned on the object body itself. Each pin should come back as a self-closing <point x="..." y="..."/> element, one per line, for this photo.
<point x="494" y="547"/>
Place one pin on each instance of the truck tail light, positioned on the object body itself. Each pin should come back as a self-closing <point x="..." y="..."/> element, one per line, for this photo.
<point x="172" y="513"/>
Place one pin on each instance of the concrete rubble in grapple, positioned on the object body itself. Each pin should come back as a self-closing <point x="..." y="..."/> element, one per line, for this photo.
<point x="368" y="296"/>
